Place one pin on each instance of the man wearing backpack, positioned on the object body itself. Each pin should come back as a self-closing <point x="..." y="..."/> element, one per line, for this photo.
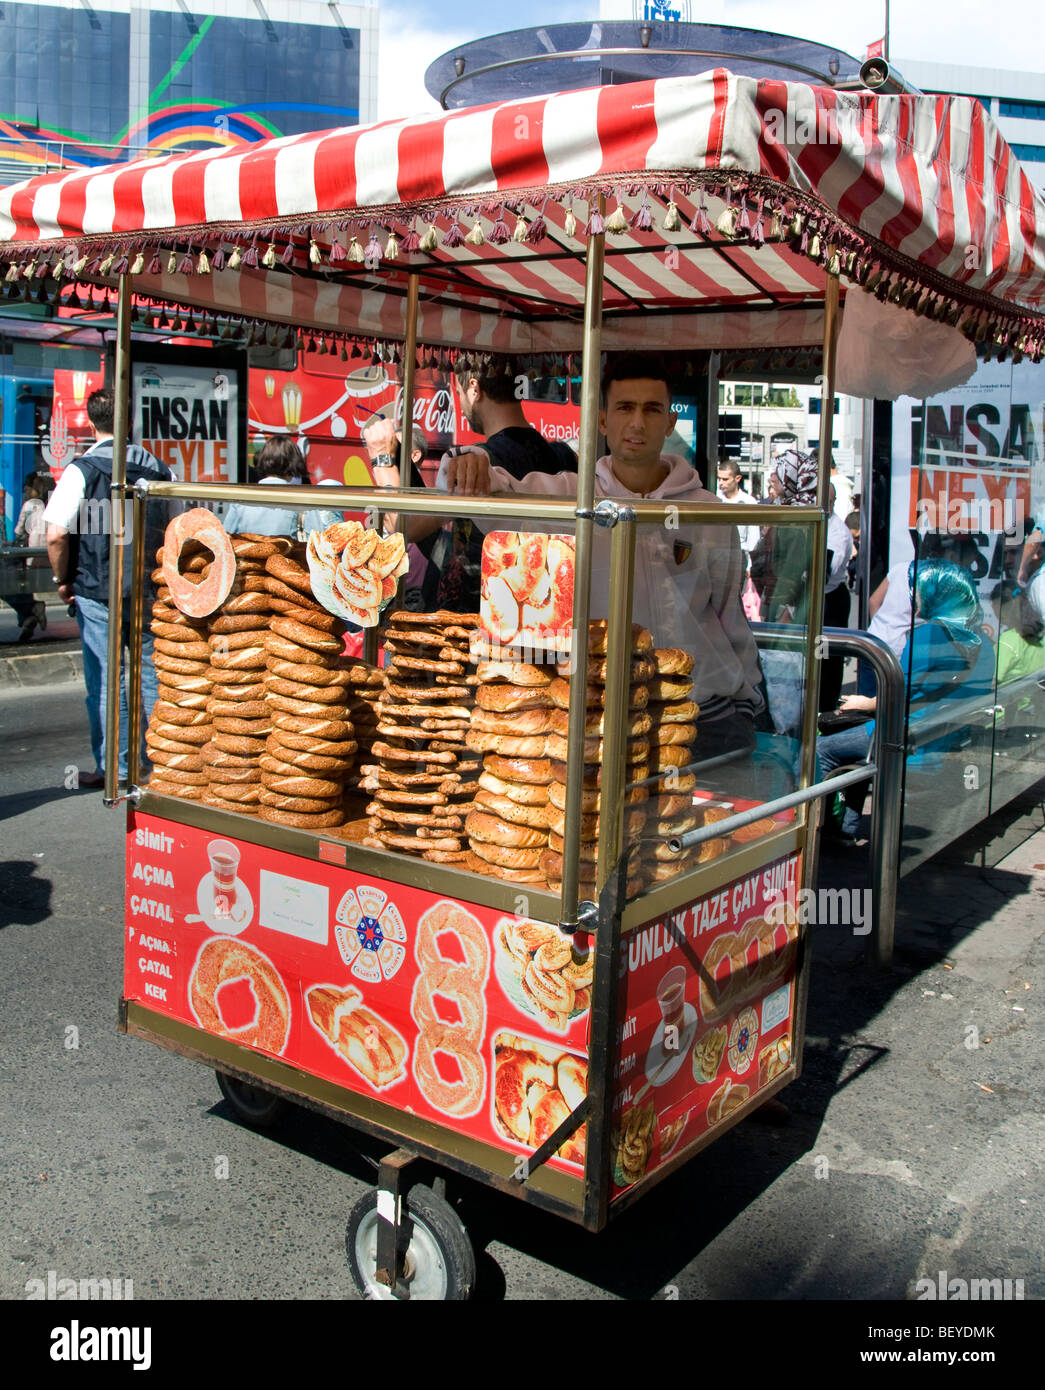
<point x="78" y="518"/>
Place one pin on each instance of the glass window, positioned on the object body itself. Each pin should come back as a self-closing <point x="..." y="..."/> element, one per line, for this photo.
<point x="1029" y="154"/>
<point x="1025" y="110"/>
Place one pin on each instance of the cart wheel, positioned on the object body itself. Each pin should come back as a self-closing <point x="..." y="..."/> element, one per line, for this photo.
<point x="439" y="1262"/>
<point x="255" y="1107"/>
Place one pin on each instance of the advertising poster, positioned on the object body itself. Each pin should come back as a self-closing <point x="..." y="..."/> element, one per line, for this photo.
<point x="188" y="418"/>
<point x="706" y="1015"/>
<point x="969" y="466"/>
<point x="467" y="1016"/>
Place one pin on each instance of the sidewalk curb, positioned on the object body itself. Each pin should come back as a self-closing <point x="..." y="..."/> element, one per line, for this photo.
<point x="47" y="668"/>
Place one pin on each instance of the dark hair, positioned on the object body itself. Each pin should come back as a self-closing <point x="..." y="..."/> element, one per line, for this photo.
<point x="1028" y="621"/>
<point x="101" y="410"/>
<point x="732" y="465"/>
<point x="281" y="458"/>
<point x="853" y="521"/>
<point x="41" y="482"/>
<point x="636" y="366"/>
<point x="499" y="385"/>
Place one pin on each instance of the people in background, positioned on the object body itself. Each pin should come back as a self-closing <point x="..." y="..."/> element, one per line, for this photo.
<point x="1031" y="574"/>
<point x="1021" y="650"/>
<point x="947" y="655"/>
<point x="730" y="490"/>
<point x="280" y="462"/>
<point x="837" y="601"/>
<point x="31" y="531"/>
<point x="383" y="440"/>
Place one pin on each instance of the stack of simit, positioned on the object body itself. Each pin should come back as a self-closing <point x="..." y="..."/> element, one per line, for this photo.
<point x="180" y="725"/>
<point x="671" y="810"/>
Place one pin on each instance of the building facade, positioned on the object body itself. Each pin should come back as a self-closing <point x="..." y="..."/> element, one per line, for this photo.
<point x="92" y="83"/>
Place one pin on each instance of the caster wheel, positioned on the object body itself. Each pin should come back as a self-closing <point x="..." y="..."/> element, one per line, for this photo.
<point x="255" y="1107"/>
<point x="438" y="1263"/>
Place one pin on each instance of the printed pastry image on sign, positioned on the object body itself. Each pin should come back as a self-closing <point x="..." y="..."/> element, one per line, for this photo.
<point x="354" y="571"/>
<point x="527" y="590"/>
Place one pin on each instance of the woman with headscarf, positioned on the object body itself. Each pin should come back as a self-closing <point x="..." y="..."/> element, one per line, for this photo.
<point x="279" y="462"/>
<point x="781" y="557"/>
<point x="946" y="654"/>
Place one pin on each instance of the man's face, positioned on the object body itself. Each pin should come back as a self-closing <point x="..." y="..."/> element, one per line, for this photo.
<point x="728" y="482"/>
<point x="470" y="394"/>
<point x="637" y="420"/>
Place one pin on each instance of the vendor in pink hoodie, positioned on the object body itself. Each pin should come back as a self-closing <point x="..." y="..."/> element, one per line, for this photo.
<point x="687" y="578"/>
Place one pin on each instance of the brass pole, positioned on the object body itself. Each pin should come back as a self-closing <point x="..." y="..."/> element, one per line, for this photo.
<point x="134" y="661"/>
<point x="114" y="658"/>
<point x="615" y="714"/>
<point x="827" y="386"/>
<point x="589" y="432"/>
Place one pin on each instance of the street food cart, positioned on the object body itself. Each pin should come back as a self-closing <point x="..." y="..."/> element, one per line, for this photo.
<point x="570" y="1018"/>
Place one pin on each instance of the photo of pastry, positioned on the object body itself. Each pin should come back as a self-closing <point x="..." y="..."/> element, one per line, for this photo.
<point x="536" y="1086"/>
<point x="362" y="1039"/>
<point x="632" y="1142"/>
<point x="671" y="1133"/>
<point x="743" y="1039"/>
<point x="729" y="1097"/>
<point x="708" y="1052"/>
<point x="540" y="972"/>
<point x="774" y="1059"/>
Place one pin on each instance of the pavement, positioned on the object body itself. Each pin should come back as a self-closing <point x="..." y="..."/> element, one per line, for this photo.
<point x="915" y="1142"/>
<point x="49" y="657"/>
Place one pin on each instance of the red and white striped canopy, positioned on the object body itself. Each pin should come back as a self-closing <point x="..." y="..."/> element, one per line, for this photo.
<point x="721" y="194"/>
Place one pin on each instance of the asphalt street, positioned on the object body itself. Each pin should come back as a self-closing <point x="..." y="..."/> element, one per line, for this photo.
<point x="916" y="1140"/>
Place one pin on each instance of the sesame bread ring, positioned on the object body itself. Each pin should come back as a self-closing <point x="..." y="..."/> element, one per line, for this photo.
<point x="176" y="635"/>
<point x="300" y="785"/>
<point x="678" y="712"/>
<point x="427" y="693"/>
<point x="222" y="642"/>
<point x="643" y="669"/>
<point x="177" y="666"/>
<point x="314" y="694"/>
<point x="184" y="699"/>
<point x="639" y="723"/>
<point x="239" y="622"/>
<point x="278" y="646"/>
<point x="170" y="745"/>
<point x="199" y="525"/>
<point x="440" y="781"/>
<point x="515" y="722"/>
<point x="674" y="733"/>
<point x="278" y="592"/>
<point x="634" y="822"/>
<point x="386" y="752"/>
<point x="489" y="803"/>
<point x="238" y="709"/>
<point x="184" y="651"/>
<point x="297" y="606"/>
<point x="444" y="713"/>
<point x="234" y="776"/>
<point x="665" y="755"/>
<point x="162" y="787"/>
<point x="411" y="844"/>
<point x="188" y="762"/>
<point x="232" y="679"/>
<point x="315" y="619"/>
<point x="310" y="805"/>
<point x="289" y="572"/>
<point x="167" y="613"/>
<point x="253" y="728"/>
<point x="247" y="548"/>
<point x="537" y="771"/>
<point x="166" y="713"/>
<point x="514" y="673"/>
<point x="250" y="658"/>
<point x="591" y="797"/>
<point x="529" y="746"/>
<point x="492" y="830"/>
<point x="598" y="635"/>
<point x="238" y="743"/>
<point x="308" y="675"/>
<point x="183" y="776"/>
<point x="637" y="749"/>
<point x="216" y="757"/>
<point x="296" y="704"/>
<point x="440" y="618"/>
<point x="238" y="808"/>
<point x="523" y="793"/>
<point x="242" y="793"/>
<point x="323" y="727"/>
<point x="675" y="783"/>
<point x="274" y="762"/>
<point x="251" y="601"/>
<point x="247" y="694"/>
<point x="195" y="734"/>
<point x="392" y="797"/>
<point x="423" y="821"/>
<point x="506" y="698"/>
<point x="306" y="743"/>
<point x="407" y="665"/>
<point x="299" y="821"/>
<point x="670" y="688"/>
<point x="475" y="865"/>
<point x="370" y="680"/>
<point x="672" y="661"/>
<point x="507" y="857"/>
<point x="587" y="850"/>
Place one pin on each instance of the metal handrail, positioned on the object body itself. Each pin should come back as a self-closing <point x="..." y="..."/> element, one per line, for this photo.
<point x="885" y="761"/>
